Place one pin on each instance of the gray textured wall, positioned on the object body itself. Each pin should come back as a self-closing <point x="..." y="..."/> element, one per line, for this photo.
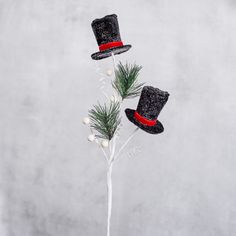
<point x="180" y="183"/>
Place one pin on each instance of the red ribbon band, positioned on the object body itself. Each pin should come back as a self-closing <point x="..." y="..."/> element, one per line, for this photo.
<point x="109" y="45"/>
<point x="144" y="120"/>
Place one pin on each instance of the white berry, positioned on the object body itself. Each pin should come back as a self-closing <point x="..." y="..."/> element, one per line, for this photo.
<point x="105" y="143"/>
<point x="86" y="120"/>
<point x="109" y="72"/>
<point x="91" y="137"/>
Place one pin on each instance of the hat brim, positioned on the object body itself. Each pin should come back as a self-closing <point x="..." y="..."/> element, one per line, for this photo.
<point x="156" y="129"/>
<point x="108" y="52"/>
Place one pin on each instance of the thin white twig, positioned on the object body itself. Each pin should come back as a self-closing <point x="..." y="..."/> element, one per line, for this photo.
<point x="106" y="157"/>
<point x="113" y="148"/>
<point x="112" y="158"/>
<point x="102" y="79"/>
<point x="114" y="61"/>
<point x="110" y="148"/>
<point x="125" y="143"/>
<point x="109" y="197"/>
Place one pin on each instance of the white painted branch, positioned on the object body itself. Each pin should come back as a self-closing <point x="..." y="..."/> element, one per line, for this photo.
<point x="114" y="61"/>
<point x="113" y="147"/>
<point x="111" y="157"/>
<point x="109" y="196"/>
<point x="102" y="79"/>
<point x="104" y="153"/>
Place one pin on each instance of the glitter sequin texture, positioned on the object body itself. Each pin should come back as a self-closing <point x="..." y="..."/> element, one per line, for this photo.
<point x="151" y="102"/>
<point x="106" y="30"/>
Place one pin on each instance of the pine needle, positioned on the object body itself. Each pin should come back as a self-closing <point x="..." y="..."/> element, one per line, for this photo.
<point x="105" y="119"/>
<point x="125" y="81"/>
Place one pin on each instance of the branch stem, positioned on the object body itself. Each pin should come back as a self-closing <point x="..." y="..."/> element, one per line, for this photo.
<point x="112" y="147"/>
<point x="109" y="196"/>
<point x="125" y="143"/>
<point x="114" y="61"/>
<point x="104" y="153"/>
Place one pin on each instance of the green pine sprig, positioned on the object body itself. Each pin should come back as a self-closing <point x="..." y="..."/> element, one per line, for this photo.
<point x="105" y="119"/>
<point x="125" y="81"/>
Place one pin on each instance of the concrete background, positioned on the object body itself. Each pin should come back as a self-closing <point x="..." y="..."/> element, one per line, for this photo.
<point x="179" y="183"/>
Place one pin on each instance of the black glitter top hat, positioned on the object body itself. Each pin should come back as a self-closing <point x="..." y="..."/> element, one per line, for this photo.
<point x="106" y="31"/>
<point x="151" y="102"/>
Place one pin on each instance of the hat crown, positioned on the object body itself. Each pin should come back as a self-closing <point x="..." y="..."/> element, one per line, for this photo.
<point x="151" y="102"/>
<point x="106" y="29"/>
